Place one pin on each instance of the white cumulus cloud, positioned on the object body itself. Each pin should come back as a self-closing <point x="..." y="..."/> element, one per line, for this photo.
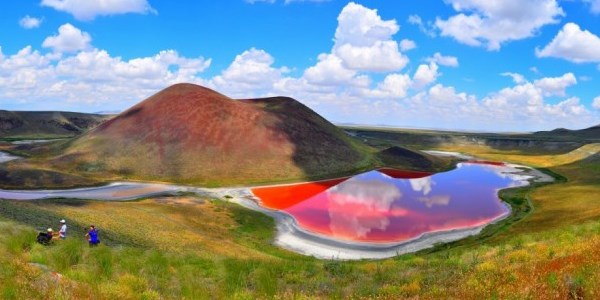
<point x="426" y="28"/>
<point x="526" y="102"/>
<point x="364" y="41"/>
<point x="90" y="78"/>
<point x="494" y="22"/>
<point x="89" y="9"/>
<point x="394" y="86"/>
<point x="556" y="86"/>
<point x="573" y="44"/>
<point x="425" y="75"/>
<point x="516" y="77"/>
<point x="448" y="61"/>
<point x="330" y="70"/>
<point x="69" y="39"/>
<point x="250" y="74"/>
<point x="407" y="45"/>
<point x="596" y="103"/>
<point x="29" y="22"/>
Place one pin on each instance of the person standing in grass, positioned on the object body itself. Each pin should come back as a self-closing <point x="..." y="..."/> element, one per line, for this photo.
<point x="92" y="236"/>
<point x="62" y="233"/>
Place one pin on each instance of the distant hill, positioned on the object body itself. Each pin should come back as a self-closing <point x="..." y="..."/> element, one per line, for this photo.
<point x="46" y="123"/>
<point x="399" y="156"/>
<point x="191" y="134"/>
<point x="592" y="133"/>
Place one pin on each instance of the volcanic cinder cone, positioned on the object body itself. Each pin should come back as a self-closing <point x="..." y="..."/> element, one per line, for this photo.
<point x="191" y="134"/>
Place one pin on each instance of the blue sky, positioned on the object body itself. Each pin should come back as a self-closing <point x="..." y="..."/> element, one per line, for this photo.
<point x="457" y="64"/>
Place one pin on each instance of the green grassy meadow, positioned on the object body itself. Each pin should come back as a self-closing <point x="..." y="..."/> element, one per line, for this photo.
<point x="173" y="255"/>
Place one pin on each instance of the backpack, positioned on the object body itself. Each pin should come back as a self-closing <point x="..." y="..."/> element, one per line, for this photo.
<point x="43" y="239"/>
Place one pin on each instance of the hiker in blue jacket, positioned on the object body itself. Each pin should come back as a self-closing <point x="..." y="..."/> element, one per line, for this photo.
<point x="92" y="236"/>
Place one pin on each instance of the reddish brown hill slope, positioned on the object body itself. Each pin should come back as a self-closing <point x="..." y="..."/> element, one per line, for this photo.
<point x="188" y="133"/>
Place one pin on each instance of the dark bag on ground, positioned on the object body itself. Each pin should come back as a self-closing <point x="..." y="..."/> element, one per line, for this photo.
<point x="43" y="238"/>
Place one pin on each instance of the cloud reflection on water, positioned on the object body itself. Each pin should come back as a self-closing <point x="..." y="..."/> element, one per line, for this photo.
<point x="356" y="207"/>
<point x="440" y="200"/>
<point x="424" y="185"/>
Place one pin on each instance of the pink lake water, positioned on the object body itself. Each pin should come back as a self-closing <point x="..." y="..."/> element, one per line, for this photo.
<point x="376" y="207"/>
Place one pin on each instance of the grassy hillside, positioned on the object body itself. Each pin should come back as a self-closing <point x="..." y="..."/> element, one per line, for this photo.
<point x="33" y="170"/>
<point x="201" y="249"/>
<point x="46" y="124"/>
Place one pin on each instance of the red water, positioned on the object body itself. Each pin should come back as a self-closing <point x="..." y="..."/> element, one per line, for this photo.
<point x="390" y="205"/>
<point x="282" y="197"/>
